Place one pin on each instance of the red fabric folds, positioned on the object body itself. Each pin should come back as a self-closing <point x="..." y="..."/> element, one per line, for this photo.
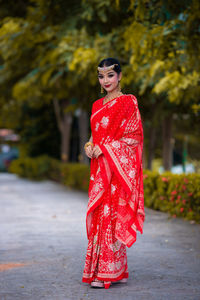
<point x="116" y="185"/>
<point x="117" y="129"/>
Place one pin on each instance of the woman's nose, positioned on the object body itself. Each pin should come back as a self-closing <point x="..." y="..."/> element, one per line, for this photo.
<point x="105" y="79"/>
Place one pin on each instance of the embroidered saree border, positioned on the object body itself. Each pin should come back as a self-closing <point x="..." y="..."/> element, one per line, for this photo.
<point x="103" y="106"/>
<point x="115" y="165"/>
<point x="91" y="207"/>
<point x="103" y="276"/>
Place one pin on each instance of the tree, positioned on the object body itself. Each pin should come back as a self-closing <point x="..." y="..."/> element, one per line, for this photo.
<point x="163" y="59"/>
<point x="153" y="40"/>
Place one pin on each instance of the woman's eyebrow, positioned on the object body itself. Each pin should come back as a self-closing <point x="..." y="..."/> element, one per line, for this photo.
<point x="110" y="72"/>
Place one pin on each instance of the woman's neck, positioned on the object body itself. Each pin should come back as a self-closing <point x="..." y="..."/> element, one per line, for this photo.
<point x="113" y="94"/>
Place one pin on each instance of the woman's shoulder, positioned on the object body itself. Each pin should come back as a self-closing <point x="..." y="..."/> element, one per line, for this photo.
<point x="130" y="99"/>
<point x="130" y="96"/>
<point x="97" y="103"/>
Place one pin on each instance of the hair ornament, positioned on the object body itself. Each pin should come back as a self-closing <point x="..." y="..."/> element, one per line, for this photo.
<point x="106" y="69"/>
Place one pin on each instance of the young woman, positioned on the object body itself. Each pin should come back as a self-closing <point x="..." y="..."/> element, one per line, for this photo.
<point x="116" y="204"/>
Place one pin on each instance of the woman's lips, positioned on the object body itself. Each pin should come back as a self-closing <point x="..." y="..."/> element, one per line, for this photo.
<point x="107" y="85"/>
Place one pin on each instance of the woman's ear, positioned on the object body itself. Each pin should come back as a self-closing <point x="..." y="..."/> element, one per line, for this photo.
<point x="120" y="76"/>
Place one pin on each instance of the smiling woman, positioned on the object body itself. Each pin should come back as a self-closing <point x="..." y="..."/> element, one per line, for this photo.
<point x="116" y="204"/>
<point x="109" y="74"/>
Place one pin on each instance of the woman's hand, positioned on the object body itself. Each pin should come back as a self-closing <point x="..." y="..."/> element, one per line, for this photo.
<point x="96" y="151"/>
<point x="89" y="151"/>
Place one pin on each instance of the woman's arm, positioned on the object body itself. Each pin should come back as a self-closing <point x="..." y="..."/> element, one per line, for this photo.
<point x="91" y="138"/>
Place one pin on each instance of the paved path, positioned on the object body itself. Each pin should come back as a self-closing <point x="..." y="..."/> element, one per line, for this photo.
<point x="42" y="227"/>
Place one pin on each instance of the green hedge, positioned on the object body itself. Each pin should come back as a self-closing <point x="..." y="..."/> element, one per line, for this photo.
<point x="75" y="175"/>
<point x="38" y="168"/>
<point x="178" y="195"/>
<point x="43" y="167"/>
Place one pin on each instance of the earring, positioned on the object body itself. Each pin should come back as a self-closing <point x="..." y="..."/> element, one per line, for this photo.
<point x="119" y="86"/>
<point x="102" y="90"/>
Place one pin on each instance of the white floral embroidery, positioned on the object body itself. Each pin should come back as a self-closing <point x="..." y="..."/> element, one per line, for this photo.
<point x="122" y="123"/>
<point x="118" y="265"/>
<point x="113" y="188"/>
<point x="97" y="126"/>
<point x="96" y="187"/>
<point x="108" y="235"/>
<point x="92" y="177"/>
<point x="124" y="160"/>
<point x="116" y="144"/>
<point x="106" y="210"/>
<point x="107" y="140"/>
<point x="111" y="266"/>
<point x="129" y="141"/>
<point x="104" y="122"/>
<point x="132" y="173"/>
<point x="118" y="226"/>
<point x="115" y="246"/>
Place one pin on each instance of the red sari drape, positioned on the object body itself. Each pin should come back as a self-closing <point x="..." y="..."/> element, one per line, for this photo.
<point x="116" y="201"/>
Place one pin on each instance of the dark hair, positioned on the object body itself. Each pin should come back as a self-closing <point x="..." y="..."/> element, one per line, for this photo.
<point x="109" y="62"/>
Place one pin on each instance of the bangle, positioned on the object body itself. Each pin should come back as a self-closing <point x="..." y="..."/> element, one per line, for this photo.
<point x="87" y="144"/>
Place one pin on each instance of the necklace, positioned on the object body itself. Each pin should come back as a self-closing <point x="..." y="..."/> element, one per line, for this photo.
<point x="113" y="96"/>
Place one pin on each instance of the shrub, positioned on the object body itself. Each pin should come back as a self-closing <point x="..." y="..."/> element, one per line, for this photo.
<point x="177" y="194"/>
<point x="75" y="175"/>
<point x="31" y="168"/>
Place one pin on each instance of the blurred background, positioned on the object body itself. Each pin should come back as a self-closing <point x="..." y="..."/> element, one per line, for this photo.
<point x="49" y="52"/>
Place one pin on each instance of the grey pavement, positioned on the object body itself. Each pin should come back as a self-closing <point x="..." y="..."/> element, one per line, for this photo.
<point x="42" y="227"/>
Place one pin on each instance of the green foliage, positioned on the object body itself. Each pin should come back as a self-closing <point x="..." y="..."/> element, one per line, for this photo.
<point x="31" y="124"/>
<point x="36" y="125"/>
<point x="42" y="167"/>
<point x="50" y="49"/>
<point x="34" y="168"/>
<point x="161" y="53"/>
<point x="75" y="175"/>
<point x="178" y="195"/>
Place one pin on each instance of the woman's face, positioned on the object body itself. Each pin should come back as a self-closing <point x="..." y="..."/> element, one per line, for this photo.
<point x="109" y="80"/>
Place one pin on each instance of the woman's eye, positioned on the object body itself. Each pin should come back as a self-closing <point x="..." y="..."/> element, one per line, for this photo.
<point x="100" y="76"/>
<point x="111" y="75"/>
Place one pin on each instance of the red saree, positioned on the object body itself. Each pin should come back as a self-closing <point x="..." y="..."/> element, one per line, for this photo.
<point x="116" y="202"/>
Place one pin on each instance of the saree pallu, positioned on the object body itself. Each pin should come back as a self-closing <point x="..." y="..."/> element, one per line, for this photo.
<point x="116" y="199"/>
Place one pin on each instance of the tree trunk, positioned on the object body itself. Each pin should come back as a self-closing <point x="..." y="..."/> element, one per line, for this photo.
<point x="83" y="135"/>
<point x="152" y="140"/>
<point x="64" y="121"/>
<point x="65" y="136"/>
<point x="167" y="142"/>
